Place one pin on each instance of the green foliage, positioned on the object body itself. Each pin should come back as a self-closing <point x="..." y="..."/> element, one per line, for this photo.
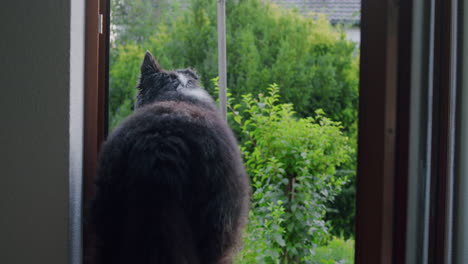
<point x="134" y="21"/>
<point x="341" y="212"/>
<point x="338" y="251"/>
<point x="292" y="163"/>
<point x="122" y="83"/>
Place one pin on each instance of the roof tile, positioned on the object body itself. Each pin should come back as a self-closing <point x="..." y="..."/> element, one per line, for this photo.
<point x="336" y="10"/>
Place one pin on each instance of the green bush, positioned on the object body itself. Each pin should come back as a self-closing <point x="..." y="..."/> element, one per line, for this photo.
<point x="292" y="163"/>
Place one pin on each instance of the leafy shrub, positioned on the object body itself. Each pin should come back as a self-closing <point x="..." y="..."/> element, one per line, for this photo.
<point x="292" y="163"/>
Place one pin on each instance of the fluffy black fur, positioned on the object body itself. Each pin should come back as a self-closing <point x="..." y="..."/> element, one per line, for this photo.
<point x="171" y="186"/>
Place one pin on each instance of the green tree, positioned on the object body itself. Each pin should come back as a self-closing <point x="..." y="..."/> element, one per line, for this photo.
<point x="134" y="21"/>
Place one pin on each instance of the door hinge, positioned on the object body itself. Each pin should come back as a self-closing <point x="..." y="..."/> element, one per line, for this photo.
<point x="101" y="24"/>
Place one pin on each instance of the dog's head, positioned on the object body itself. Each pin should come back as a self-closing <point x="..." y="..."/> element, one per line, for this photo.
<point x="157" y="84"/>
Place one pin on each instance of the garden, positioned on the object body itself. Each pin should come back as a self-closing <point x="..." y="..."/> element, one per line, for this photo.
<point x="292" y="103"/>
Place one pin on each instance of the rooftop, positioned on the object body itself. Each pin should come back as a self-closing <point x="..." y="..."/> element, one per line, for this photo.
<point x="338" y="11"/>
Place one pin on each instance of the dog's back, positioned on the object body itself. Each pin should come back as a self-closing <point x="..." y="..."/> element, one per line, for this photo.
<point x="171" y="187"/>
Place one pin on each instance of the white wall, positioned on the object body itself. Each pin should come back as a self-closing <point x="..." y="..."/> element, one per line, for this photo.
<point x="354" y="34"/>
<point x="35" y="131"/>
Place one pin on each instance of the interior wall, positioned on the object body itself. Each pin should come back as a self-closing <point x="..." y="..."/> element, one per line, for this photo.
<point x="34" y="132"/>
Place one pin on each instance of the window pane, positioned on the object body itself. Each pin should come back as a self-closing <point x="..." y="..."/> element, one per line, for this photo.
<point x="292" y="76"/>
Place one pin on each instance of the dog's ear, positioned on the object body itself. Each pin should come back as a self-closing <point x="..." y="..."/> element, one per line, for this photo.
<point x="149" y="65"/>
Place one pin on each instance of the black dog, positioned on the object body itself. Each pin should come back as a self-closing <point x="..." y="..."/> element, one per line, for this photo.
<point x="171" y="186"/>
